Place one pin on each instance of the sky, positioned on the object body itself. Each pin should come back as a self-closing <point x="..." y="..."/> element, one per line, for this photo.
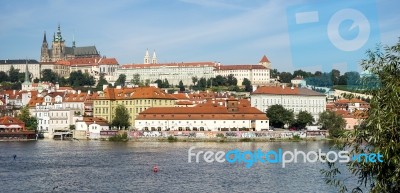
<point x="298" y="34"/>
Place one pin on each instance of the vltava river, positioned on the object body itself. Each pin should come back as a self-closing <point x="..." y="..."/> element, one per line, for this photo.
<point x="102" y="166"/>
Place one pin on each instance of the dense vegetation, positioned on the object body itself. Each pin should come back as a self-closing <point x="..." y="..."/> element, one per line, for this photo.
<point x="379" y="132"/>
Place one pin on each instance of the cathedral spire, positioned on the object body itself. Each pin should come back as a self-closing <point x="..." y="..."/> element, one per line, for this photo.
<point x="44" y="37"/>
<point x="26" y="72"/>
<point x="73" y="41"/>
<point x="154" y="58"/>
<point x="147" y="57"/>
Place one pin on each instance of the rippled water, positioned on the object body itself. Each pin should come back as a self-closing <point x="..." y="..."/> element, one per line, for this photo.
<point x="101" y="166"/>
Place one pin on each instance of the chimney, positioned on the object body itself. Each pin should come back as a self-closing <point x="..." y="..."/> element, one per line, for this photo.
<point x="254" y="87"/>
<point x="13" y="92"/>
<point x="105" y="86"/>
<point x="79" y="91"/>
<point x="88" y="92"/>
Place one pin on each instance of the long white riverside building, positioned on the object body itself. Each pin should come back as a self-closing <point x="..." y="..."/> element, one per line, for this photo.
<point x="203" y="117"/>
<point x="291" y="98"/>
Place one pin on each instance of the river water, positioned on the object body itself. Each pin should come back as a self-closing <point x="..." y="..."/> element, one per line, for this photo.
<point x="102" y="166"/>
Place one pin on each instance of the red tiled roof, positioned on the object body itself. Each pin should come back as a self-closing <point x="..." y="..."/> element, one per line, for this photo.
<point x="135" y="93"/>
<point x="184" y="103"/>
<point x="70" y="97"/>
<point x="180" y="96"/>
<point x="277" y="90"/>
<point x="183" y="64"/>
<point x="7" y="120"/>
<point x="206" y="111"/>
<point x="108" y="61"/>
<point x="264" y="59"/>
<point x="240" y="67"/>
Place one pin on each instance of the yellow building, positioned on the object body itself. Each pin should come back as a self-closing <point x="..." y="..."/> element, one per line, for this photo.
<point x="135" y="100"/>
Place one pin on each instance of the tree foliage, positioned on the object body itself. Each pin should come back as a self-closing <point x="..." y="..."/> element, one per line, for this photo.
<point x="279" y="116"/>
<point x="380" y="131"/>
<point x="332" y="122"/>
<point x="181" y="86"/>
<point x="303" y="119"/>
<point x="247" y="85"/>
<point x="121" y="119"/>
<point x="49" y="76"/>
<point x="24" y="116"/>
<point x="121" y="80"/>
<point x="102" y="81"/>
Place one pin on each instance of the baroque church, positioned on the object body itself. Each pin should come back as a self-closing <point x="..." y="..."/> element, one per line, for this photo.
<point x="59" y="51"/>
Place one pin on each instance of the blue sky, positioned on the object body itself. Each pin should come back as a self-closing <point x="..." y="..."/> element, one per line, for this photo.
<point x="227" y="31"/>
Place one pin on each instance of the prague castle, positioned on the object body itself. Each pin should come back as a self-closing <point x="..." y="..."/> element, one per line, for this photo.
<point x="59" y="51"/>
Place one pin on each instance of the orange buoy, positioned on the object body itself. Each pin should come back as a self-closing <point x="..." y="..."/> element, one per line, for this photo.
<point x="155" y="169"/>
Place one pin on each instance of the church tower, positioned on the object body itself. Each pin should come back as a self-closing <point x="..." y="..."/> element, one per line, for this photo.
<point x="265" y="62"/>
<point x="58" y="46"/>
<point x="154" y="58"/>
<point x="44" y="55"/>
<point x="147" y="57"/>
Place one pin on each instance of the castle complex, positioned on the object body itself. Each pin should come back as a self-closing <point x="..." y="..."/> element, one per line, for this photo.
<point x="59" y="51"/>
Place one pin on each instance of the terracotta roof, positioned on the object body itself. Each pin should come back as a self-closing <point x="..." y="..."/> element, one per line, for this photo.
<point x="264" y="59"/>
<point x="70" y="97"/>
<point x="135" y="93"/>
<point x="108" y="61"/>
<point x="98" y="120"/>
<point x="277" y="90"/>
<point x="35" y="100"/>
<point x="180" y="96"/>
<point x="183" y="64"/>
<point x="240" y="67"/>
<point x="7" y="120"/>
<point x="201" y="112"/>
<point x="184" y="103"/>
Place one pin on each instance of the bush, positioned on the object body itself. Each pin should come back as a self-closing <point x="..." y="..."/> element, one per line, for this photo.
<point x="335" y="133"/>
<point x="172" y="138"/>
<point x="245" y="140"/>
<point x="220" y="135"/>
<point x="119" y="137"/>
<point x="296" y="137"/>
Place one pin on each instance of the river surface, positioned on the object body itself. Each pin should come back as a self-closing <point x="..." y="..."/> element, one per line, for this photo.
<point x="102" y="166"/>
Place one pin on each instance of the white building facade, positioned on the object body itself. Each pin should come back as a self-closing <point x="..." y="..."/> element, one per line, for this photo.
<point x="173" y="72"/>
<point x="33" y="66"/>
<point x="291" y="98"/>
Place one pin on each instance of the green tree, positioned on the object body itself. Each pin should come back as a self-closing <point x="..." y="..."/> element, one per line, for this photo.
<point x="335" y="74"/>
<point x="102" y="81"/>
<point x="279" y="116"/>
<point x="247" y="85"/>
<point x="379" y="132"/>
<point x="147" y="82"/>
<point x="36" y="80"/>
<point x="181" y="86"/>
<point x="24" y="116"/>
<point x="13" y="74"/>
<point x="332" y="122"/>
<point x="159" y="83"/>
<point x="121" y="119"/>
<point x="165" y="84"/>
<point x="231" y="80"/>
<point x="121" y="80"/>
<point x="194" y="80"/>
<point x="219" y="81"/>
<point x="3" y="77"/>
<point x="285" y="77"/>
<point x="49" y="76"/>
<point x="274" y="73"/>
<point x="303" y="119"/>
<point x="136" y="79"/>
